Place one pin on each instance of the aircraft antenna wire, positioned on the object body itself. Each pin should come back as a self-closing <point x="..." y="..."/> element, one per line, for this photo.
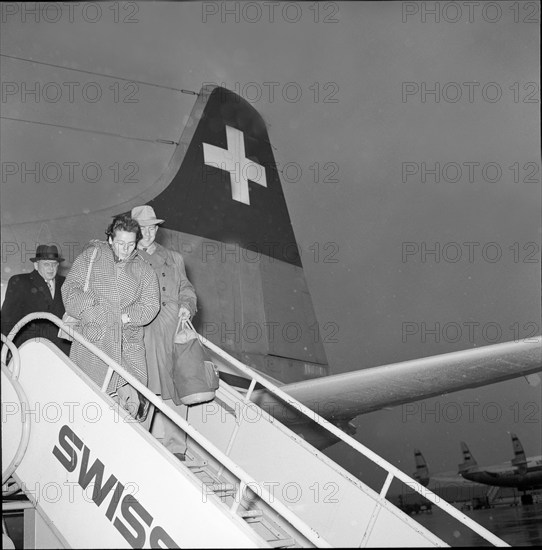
<point x="142" y="82"/>
<point x="101" y="132"/>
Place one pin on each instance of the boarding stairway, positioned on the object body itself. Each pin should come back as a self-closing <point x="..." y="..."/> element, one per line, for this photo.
<point x="95" y="478"/>
<point x="492" y="494"/>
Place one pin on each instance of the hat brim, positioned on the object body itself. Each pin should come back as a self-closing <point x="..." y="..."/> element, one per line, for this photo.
<point x="145" y="223"/>
<point x="39" y="259"/>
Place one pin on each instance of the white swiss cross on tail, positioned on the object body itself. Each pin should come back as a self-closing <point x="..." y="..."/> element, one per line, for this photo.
<point x="234" y="161"/>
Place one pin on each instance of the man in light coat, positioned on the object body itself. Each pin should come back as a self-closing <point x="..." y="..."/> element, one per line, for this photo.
<point x="177" y="301"/>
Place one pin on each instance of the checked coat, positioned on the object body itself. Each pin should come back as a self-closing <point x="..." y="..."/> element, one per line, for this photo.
<point x="115" y="287"/>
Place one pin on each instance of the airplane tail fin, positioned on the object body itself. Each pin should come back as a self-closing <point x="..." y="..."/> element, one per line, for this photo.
<point x="227" y="188"/>
<point x="422" y="471"/>
<point x="226" y="212"/>
<point x="519" y="460"/>
<point x="469" y="463"/>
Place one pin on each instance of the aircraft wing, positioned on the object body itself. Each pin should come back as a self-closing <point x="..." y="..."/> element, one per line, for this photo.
<point x="342" y="397"/>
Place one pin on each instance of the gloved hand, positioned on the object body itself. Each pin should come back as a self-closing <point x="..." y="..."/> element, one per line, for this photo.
<point x="128" y="399"/>
<point x="184" y="313"/>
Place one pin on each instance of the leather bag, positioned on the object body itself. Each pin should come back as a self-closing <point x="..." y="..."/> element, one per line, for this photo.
<point x="195" y="377"/>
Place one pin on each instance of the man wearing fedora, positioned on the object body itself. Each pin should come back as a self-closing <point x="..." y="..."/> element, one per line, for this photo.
<point x="34" y="292"/>
<point x="177" y="301"/>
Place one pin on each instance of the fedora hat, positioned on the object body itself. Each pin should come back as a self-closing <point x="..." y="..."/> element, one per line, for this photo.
<point x="144" y="215"/>
<point x="45" y="252"/>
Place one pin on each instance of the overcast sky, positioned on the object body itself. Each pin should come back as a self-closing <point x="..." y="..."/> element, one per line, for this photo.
<point x="366" y="103"/>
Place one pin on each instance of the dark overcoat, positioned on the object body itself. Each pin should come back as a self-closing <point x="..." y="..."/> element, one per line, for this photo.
<point x="28" y="293"/>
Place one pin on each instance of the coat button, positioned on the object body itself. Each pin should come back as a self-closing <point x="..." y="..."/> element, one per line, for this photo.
<point x="163" y="274"/>
<point x="163" y="288"/>
<point x="163" y="303"/>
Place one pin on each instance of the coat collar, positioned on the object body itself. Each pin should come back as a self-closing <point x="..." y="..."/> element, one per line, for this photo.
<point x="158" y="257"/>
<point x="39" y="282"/>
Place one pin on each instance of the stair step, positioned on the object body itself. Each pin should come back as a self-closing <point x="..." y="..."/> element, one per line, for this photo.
<point x="222" y="487"/>
<point x="195" y="465"/>
<point x="281" y="543"/>
<point x="251" y="515"/>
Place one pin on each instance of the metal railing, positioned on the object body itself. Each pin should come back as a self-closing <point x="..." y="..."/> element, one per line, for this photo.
<point x="13" y="375"/>
<point x="245" y="479"/>
<point x="384" y="464"/>
<point x="393" y="472"/>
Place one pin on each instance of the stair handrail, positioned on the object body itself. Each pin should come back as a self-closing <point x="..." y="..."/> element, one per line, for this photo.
<point x="13" y="375"/>
<point x="305" y="529"/>
<point x="392" y="470"/>
<point x="10" y="346"/>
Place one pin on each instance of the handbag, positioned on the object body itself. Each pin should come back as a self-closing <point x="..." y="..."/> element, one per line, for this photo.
<point x="195" y="377"/>
<point x="67" y="318"/>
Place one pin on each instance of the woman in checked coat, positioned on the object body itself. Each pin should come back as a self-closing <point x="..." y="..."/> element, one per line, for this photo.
<point x="122" y="297"/>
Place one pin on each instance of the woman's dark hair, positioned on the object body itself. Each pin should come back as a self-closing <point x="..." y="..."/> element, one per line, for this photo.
<point x="124" y="222"/>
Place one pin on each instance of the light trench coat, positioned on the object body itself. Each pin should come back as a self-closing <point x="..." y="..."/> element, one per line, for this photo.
<point x="116" y="287"/>
<point x="175" y="291"/>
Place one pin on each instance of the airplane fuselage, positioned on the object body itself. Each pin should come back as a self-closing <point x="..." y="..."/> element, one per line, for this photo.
<point x="220" y="194"/>
<point x="508" y="476"/>
<point x="237" y="240"/>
